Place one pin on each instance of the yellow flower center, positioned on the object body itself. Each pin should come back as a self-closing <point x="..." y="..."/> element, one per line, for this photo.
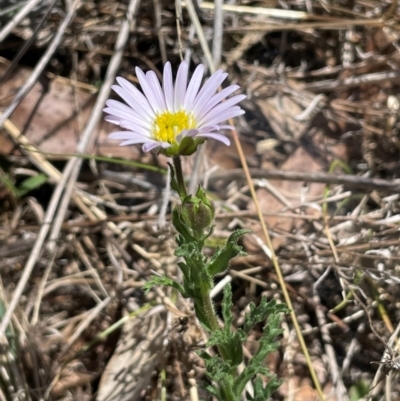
<point x="168" y="125"/>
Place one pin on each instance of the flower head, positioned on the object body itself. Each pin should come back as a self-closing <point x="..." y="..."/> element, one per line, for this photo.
<point x="172" y="118"/>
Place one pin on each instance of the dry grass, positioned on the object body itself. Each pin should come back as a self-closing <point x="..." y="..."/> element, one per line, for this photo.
<point x="322" y="80"/>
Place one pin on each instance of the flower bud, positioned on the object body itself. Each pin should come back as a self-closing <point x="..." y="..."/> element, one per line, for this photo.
<point x="188" y="145"/>
<point x="197" y="211"/>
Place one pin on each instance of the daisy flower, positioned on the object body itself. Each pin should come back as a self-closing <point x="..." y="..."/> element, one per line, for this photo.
<point x="172" y="118"/>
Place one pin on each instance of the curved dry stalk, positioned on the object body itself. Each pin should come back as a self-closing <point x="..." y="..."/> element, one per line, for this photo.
<point x="160" y="33"/>
<point x="379" y="373"/>
<point x="38" y="70"/>
<point x="276" y="263"/>
<point x="127" y="348"/>
<point x="264" y="11"/>
<point x="29" y="6"/>
<point x="54" y="202"/>
<point x="63" y="179"/>
<point x="336" y="375"/>
<point x="73" y="166"/>
<point x="200" y="34"/>
<point x="351" y="181"/>
<point x="218" y="32"/>
<point x="89" y="317"/>
<point x="28" y="43"/>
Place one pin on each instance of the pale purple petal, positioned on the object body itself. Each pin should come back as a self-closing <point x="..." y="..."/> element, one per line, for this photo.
<point x="216" y="127"/>
<point x="193" y="87"/>
<point x="209" y="128"/>
<point x="218" y="137"/>
<point x="139" y="114"/>
<point x="168" y="86"/>
<point x="130" y="125"/>
<point x="157" y="91"/>
<point x="226" y="126"/>
<point x="217" y="98"/>
<point x="129" y="142"/>
<point x="135" y="141"/>
<point x="153" y="145"/>
<point x="113" y="120"/>
<point x="209" y="88"/>
<point x="133" y="97"/>
<point x="226" y="115"/>
<point x="180" y="85"/>
<point x="227" y="104"/>
<point x="187" y="132"/>
<point x="128" y="135"/>
<point x="192" y="132"/>
<point x="148" y="90"/>
<point x="122" y="111"/>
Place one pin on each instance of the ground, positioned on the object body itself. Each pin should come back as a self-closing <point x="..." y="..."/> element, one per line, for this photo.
<point x="80" y="231"/>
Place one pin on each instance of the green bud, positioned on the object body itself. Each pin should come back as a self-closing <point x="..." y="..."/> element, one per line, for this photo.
<point x="189" y="145"/>
<point x="186" y="147"/>
<point x="197" y="211"/>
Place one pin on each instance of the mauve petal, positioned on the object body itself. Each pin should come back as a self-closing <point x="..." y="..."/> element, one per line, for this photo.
<point x="193" y="87"/>
<point x="148" y="90"/>
<point x="129" y="125"/>
<point x="113" y="120"/>
<point x="209" y="128"/>
<point x="226" y="115"/>
<point x="218" y="137"/>
<point x="209" y="89"/>
<point x="168" y="86"/>
<point x="217" y="110"/>
<point x="216" y="127"/>
<point x="153" y="145"/>
<point x="226" y="126"/>
<point x="192" y="132"/>
<point x="133" y="142"/>
<point x="128" y="135"/>
<point x="186" y="132"/>
<point x="123" y="111"/>
<point x="155" y="85"/>
<point x="131" y="95"/>
<point x="217" y="98"/>
<point x="138" y="116"/>
<point x="180" y="85"/>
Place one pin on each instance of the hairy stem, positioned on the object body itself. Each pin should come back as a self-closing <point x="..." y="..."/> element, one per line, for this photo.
<point x="179" y="176"/>
<point x="209" y="315"/>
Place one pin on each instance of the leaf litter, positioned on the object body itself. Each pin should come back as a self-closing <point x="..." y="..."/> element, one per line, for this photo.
<point x="322" y="86"/>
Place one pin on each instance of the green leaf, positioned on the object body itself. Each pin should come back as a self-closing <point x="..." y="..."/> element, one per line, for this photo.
<point x="261" y="312"/>
<point x="11" y="337"/>
<point x="223" y="372"/>
<point x="220" y="261"/>
<point x="173" y="182"/>
<point x="233" y="340"/>
<point x="185" y="270"/>
<point x="220" y="373"/>
<point x="358" y="390"/>
<point x="343" y="165"/>
<point x="267" y="343"/>
<point x="227" y="308"/>
<point x="9" y="184"/>
<point x="182" y="228"/>
<point x="262" y="393"/>
<point x="247" y="374"/>
<point x="30" y="184"/>
<point x="230" y="340"/>
<point x="157" y="280"/>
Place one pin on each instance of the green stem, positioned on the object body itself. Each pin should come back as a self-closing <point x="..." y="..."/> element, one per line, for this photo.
<point x="179" y="176"/>
<point x="212" y="322"/>
<point x="203" y="304"/>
